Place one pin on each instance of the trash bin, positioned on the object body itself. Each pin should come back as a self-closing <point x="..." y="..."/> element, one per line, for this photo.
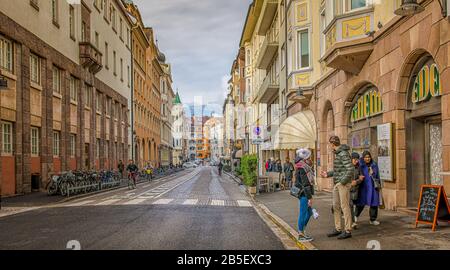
<point x="35" y="182"/>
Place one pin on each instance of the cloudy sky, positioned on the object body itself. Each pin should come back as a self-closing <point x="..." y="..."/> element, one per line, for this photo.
<point x="200" y="39"/>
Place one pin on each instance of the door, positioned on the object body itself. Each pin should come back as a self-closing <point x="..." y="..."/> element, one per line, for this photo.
<point x="424" y="157"/>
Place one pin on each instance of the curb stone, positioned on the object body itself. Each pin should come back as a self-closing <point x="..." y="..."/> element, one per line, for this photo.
<point x="237" y="180"/>
<point x="282" y="225"/>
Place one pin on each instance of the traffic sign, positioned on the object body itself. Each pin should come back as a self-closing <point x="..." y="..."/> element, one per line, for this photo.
<point x="257" y="141"/>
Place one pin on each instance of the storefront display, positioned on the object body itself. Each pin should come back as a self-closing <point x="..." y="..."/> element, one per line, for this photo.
<point x="366" y="115"/>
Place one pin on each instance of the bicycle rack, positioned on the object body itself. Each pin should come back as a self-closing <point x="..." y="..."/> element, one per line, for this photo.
<point x="72" y="189"/>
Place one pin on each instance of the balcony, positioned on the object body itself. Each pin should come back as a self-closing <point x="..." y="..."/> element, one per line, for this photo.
<point x="268" y="49"/>
<point x="90" y="57"/>
<point x="267" y="14"/>
<point x="348" y="40"/>
<point x="268" y="89"/>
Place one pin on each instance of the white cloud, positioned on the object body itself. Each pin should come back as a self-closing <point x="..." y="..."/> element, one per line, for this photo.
<point x="200" y="39"/>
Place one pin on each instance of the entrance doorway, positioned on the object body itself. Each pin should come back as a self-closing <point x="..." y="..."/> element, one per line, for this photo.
<point x="425" y="156"/>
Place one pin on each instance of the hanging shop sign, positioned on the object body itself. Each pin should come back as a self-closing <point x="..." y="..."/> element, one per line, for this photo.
<point x="427" y="84"/>
<point x="368" y="105"/>
<point x="385" y="151"/>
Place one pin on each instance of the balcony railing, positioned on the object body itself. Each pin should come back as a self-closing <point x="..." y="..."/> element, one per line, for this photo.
<point x="348" y="40"/>
<point x="268" y="88"/>
<point x="90" y="57"/>
<point x="268" y="49"/>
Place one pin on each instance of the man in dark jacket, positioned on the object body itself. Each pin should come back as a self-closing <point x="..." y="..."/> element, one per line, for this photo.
<point x="121" y="168"/>
<point x="288" y="170"/>
<point x="342" y="176"/>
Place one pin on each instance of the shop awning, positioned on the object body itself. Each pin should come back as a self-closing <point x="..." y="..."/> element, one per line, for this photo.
<point x="297" y="131"/>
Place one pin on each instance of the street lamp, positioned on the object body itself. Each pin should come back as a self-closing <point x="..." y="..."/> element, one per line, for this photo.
<point x="409" y="7"/>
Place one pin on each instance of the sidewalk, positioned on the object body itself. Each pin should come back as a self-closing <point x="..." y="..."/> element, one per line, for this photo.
<point x="396" y="231"/>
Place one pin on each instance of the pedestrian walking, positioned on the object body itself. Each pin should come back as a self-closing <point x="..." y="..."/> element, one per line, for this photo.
<point x="342" y="176"/>
<point x="369" y="189"/>
<point x="278" y="166"/>
<point x="288" y="170"/>
<point x="121" y="168"/>
<point x="304" y="180"/>
<point x="354" y="191"/>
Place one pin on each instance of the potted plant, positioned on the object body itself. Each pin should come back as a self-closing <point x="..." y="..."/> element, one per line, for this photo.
<point x="249" y="172"/>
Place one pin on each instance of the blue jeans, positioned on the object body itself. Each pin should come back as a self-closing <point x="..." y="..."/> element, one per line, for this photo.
<point x="305" y="213"/>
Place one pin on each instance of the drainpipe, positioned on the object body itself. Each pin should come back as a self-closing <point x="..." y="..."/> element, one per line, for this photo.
<point x="132" y="96"/>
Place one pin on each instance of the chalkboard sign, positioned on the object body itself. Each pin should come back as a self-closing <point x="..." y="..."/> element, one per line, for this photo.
<point x="433" y="206"/>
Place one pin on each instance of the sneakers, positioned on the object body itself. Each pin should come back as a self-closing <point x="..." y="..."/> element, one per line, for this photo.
<point x="334" y="233"/>
<point x="303" y="238"/>
<point x="344" y="235"/>
<point x="374" y="223"/>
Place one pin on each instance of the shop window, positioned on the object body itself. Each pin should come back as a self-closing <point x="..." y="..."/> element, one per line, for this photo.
<point x="73" y="143"/>
<point x="56" y="143"/>
<point x="56" y="83"/>
<point x="98" y="102"/>
<point x="35" y="69"/>
<point x="6" y="54"/>
<point x="97" y="148"/>
<point x="7" y="138"/>
<point x="88" y="96"/>
<point x="35" y="141"/>
<point x="73" y="89"/>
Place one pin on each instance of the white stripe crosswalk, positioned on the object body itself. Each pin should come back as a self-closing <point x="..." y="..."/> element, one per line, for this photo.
<point x="242" y="203"/>
<point x="163" y="201"/>
<point x="108" y="202"/>
<point x="190" y="202"/>
<point x="218" y="202"/>
<point x="152" y="199"/>
<point x="135" y="202"/>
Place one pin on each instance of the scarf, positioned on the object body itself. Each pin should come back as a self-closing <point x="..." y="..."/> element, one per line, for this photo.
<point x="309" y="171"/>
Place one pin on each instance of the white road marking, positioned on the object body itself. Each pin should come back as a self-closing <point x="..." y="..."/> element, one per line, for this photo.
<point x="163" y="201"/>
<point x="242" y="203"/>
<point x="135" y="202"/>
<point x="190" y="202"/>
<point x="108" y="202"/>
<point x="218" y="202"/>
<point x="80" y="203"/>
<point x="146" y="197"/>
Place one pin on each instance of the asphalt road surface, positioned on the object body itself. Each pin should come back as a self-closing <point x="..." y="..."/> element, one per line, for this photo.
<point x="196" y="210"/>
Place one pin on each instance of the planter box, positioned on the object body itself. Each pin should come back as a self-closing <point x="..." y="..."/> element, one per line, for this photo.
<point x="251" y="190"/>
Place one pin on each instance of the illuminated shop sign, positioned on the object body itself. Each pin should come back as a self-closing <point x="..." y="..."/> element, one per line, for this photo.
<point x="427" y="84"/>
<point x="368" y="105"/>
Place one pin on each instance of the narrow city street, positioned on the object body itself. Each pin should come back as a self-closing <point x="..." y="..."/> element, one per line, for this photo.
<point x="196" y="210"/>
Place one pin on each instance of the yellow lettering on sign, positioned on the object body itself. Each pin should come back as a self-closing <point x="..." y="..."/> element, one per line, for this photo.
<point x="368" y="105"/>
<point x="427" y="84"/>
<point x="435" y="84"/>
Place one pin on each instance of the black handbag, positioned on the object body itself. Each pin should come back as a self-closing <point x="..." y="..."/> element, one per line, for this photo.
<point x="376" y="184"/>
<point x="296" y="192"/>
